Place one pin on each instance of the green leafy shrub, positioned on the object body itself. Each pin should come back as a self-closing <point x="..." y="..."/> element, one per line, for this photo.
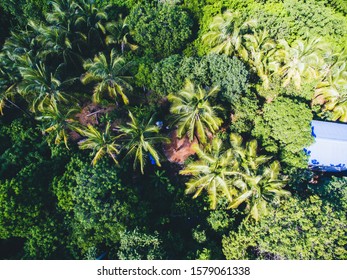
<point x="245" y="109"/>
<point x="20" y="208"/>
<point x="166" y="76"/>
<point x="332" y="190"/>
<point x="339" y="5"/>
<point x="161" y="30"/>
<point x="46" y="241"/>
<point x="100" y="212"/>
<point x="137" y="245"/>
<point x="299" y="229"/>
<point x="284" y="128"/>
<point x="230" y="74"/>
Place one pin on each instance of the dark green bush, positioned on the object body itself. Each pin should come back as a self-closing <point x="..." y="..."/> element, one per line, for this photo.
<point x="160" y="30"/>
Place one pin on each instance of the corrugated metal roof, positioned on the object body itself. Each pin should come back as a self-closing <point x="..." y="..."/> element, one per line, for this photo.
<point x="329" y="130"/>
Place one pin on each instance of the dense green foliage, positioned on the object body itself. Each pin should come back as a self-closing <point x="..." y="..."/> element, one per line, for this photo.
<point x="24" y="9"/>
<point x="308" y="229"/>
<point x="142" y="129"/>
<point x="137" y="245"/>
<point x="274" y="128"/>
<point x="162" y="30"/>
<point x="99" y="213"/>
<point x="230" y="74"/>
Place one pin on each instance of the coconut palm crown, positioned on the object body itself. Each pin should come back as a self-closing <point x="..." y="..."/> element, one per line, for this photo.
<point x="139" y="137"/>
<point x="301" y="61"/>
<point x="236" y="173"/>
<point x="40" y="86"/>
<point x="257" y="180"/>
<point x="261" y="49"/>
<point x="118" y="34"/>
<point x="211" y="173"/>
<point x="193" y="112"/>
<point x="56" y="122"/>
<point x="101" y="143"/>
<point x="108" y="74"/>
<point x="226" y="34"/>
<point x="333" y="88"/>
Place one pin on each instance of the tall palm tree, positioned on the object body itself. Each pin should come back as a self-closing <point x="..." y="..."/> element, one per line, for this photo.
<point x="56" y="122"/>
<point x="212" y="173"/>
<point x="109" y="76"/>
<point x="334" y="91"/>
<point x="64" y="17"/>
<point x="118" y="33"/>
<point x="9" y="77"/>
<point x="300" y="61"/>
<point x="139" y="137"/>
<point x="261" y="48"/>
<point x="100" y="142"/>
<point x="3" y="99"/>
<point x="5" y="94"/>
<point x="258" y="182"/>
<point x="74" y="28"/>
<point x="333" y="88"/>
<point x="21" y="43"/>
<point x="91" y="19"/>
<point x="340" y="109"/>
<point x="226" y="34"/>
<point x="41" y="87"/>
<point x="64" y="13"/>
<point x="193" y="112"/>
<point x="58" y="41"/>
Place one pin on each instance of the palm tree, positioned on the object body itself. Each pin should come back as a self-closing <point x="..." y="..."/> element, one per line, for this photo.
<point x="261" y="48"/>
<point x="333" y="88"/>
<point x="212" y="173"/>
<point x="5" y="95"/>
<point x="91" y="19"/>
<point x="58" y="41"/>
<point x="300" y="61"/>
<point x="340" y="109"/>
<point x="193" y="112"/>
<point x="139" y="138"/>
<point x="9" y="78"/>
<point x="226" y="34"/>
<point x="334" y="91"/>
<point x="258" y="182"/>
<point x="108" y="74"/>
<point x="118" y="32"/>
<point x="73" y="28"/>
<point x="3" y="99"/>
<point x="41" y="87"/>
<point x="56" y="123"/>
<point x="21" y="43"/>
<point x="64" y="13"/>
<point x="100" y="142"/>
<point x="64" y="17"/>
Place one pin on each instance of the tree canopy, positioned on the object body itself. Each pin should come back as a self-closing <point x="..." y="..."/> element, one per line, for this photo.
<point x="171" y="129"/>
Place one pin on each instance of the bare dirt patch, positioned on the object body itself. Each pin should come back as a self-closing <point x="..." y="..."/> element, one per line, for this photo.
<point x="89" y="115"/>
<point x="91" y="112"/>
<point x="178" y="150"/>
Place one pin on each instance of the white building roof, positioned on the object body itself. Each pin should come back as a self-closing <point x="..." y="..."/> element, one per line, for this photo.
<point x="329" y="152"/>
<point x="329" y="130"/>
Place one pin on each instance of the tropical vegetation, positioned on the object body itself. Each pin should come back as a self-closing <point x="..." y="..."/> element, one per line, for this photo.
<point x="145" y="129"/>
